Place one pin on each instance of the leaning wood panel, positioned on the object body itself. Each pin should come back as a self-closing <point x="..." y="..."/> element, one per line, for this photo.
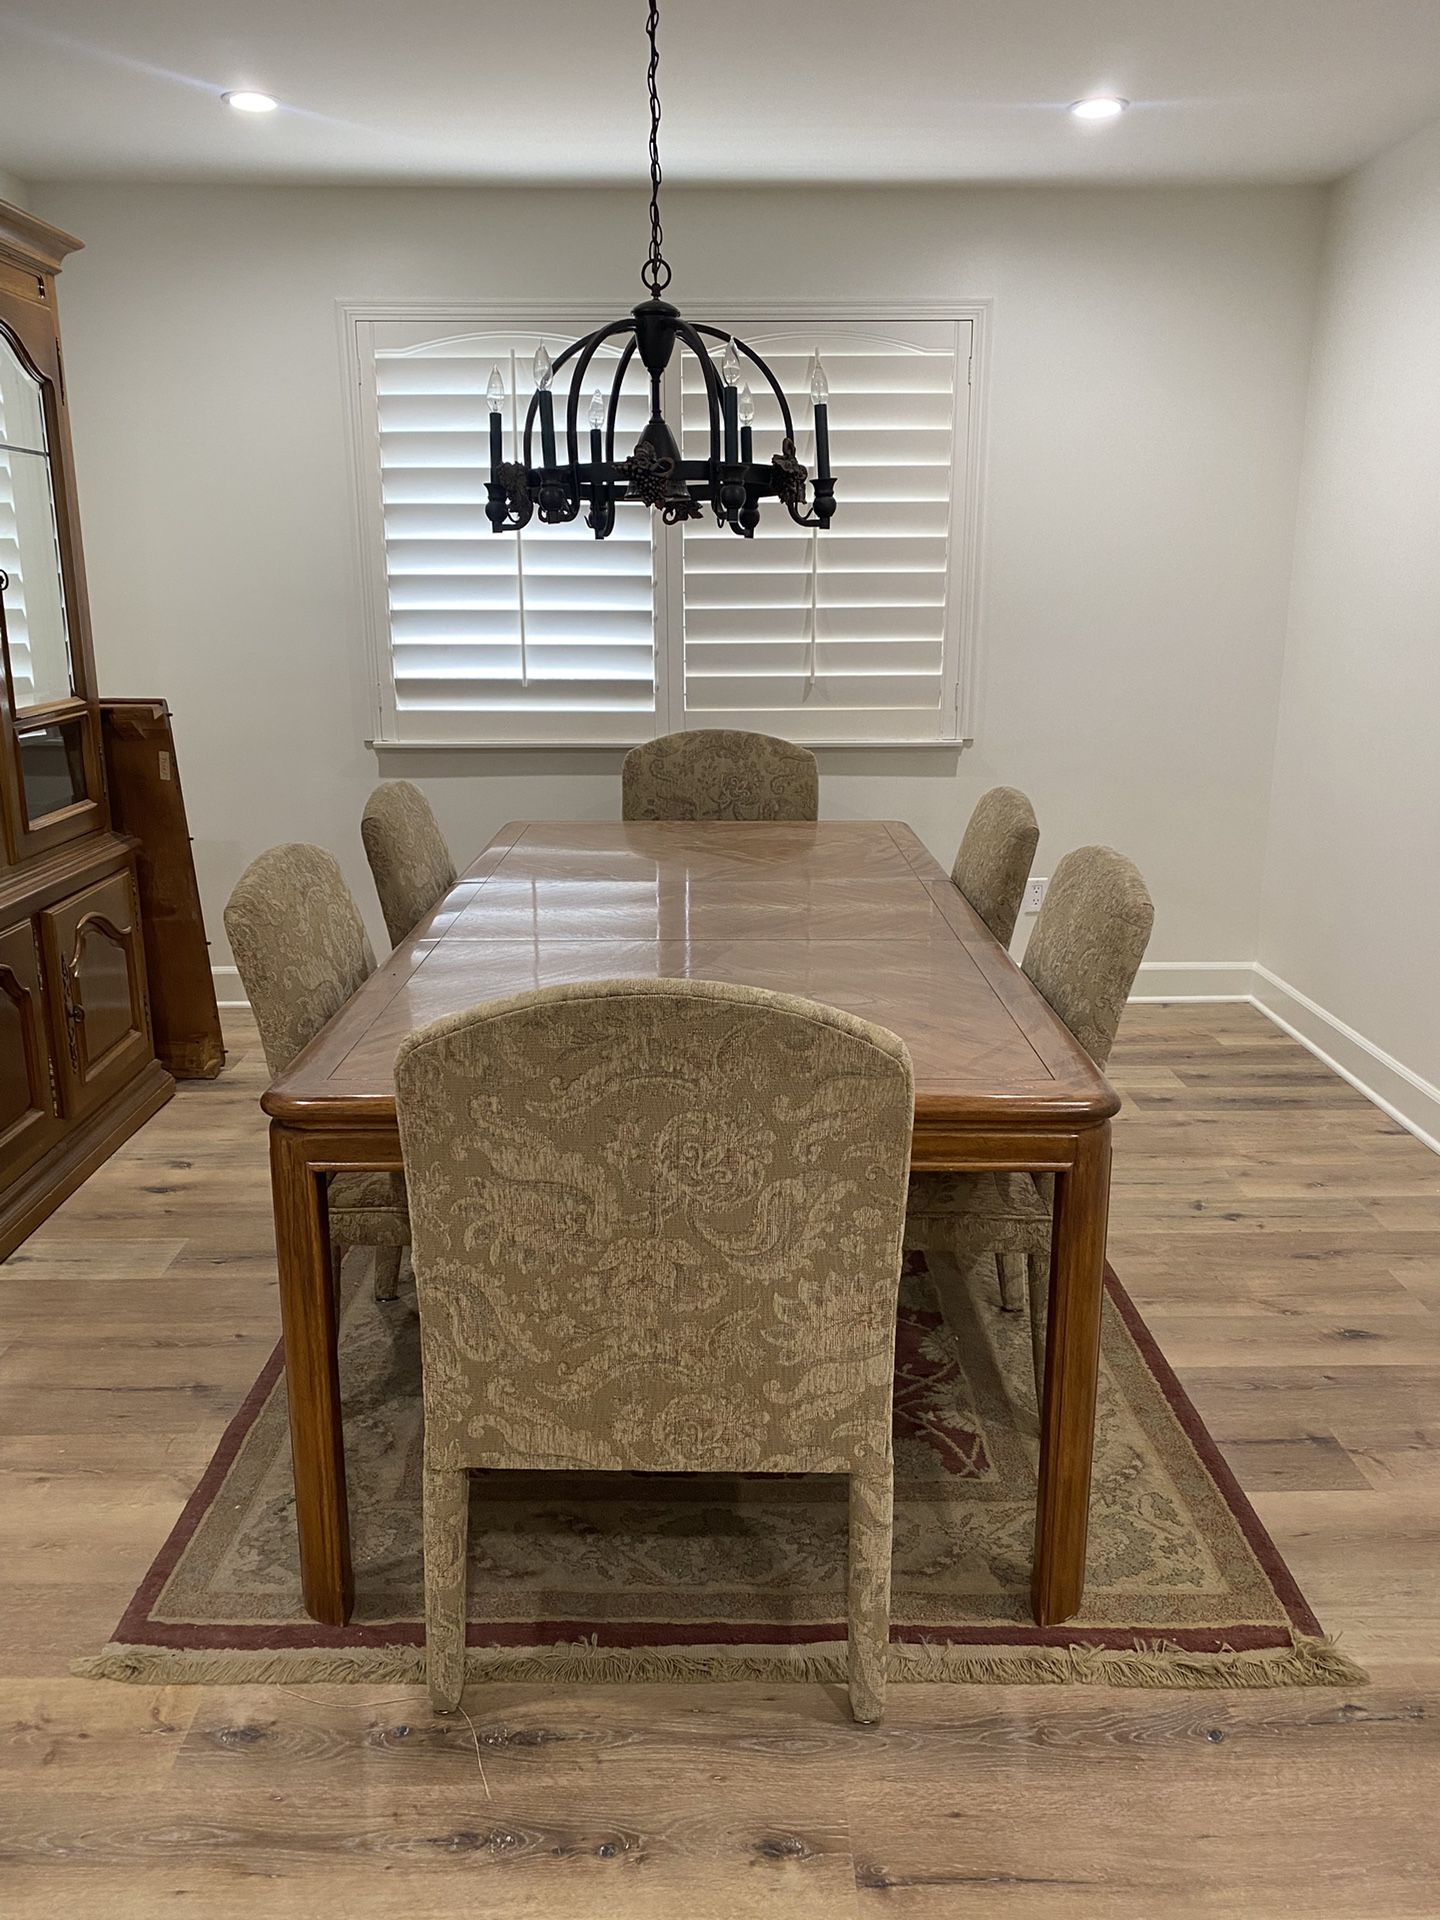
<point x="147" y="803"/>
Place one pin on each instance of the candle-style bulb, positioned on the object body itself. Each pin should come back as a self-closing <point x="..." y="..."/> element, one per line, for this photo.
<point x="730" y="365"/>
<point x="542" y="368"/>
<point x="819" y="385"/>
<point x="747" y="405"/>
<point x="597" y="408"/>
<point x="495" y="391"/>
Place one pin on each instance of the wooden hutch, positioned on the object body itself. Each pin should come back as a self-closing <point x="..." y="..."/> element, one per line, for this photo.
<point x="78" y="1071"/>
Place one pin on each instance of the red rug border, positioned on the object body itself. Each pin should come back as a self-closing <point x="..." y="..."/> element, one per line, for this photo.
<point x="137" y="1628"/>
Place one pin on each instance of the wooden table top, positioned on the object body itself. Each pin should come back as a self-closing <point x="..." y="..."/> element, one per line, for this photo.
<point x="853" y="913"/>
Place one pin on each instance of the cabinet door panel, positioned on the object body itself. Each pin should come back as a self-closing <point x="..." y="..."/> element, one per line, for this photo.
<point x="94" y="955"/>
<point x="29" y="1122"/>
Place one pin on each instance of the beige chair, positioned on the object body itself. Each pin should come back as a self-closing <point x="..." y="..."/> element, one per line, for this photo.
<point x="717" y="773"/>
<point x="657" y="1229"/>
<point x="1084" y="954"/>
<point x="993" y="862"/>
<point x="302" y="951"/>
<point x="407" y="854"/>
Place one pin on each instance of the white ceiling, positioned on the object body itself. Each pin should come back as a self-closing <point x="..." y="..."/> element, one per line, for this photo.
<point x="754" y="90"/>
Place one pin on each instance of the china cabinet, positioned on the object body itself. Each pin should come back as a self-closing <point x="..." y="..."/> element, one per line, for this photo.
<point x="78" y="1071"/>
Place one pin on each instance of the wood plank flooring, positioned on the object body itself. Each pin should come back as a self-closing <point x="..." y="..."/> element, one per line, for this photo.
<point x="1282" y="1238"/>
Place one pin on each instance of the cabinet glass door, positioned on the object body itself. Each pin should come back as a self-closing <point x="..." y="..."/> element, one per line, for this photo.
<point x="32" y="589"/>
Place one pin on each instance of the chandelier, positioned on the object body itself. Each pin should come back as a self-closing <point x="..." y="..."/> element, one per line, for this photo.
<point x="729" y="479"/>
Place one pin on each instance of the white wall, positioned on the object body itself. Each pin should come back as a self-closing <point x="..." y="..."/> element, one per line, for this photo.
<point x="1146" y="411"/>
<point x="13" y="191"/>
<point x="1352" y="889"/>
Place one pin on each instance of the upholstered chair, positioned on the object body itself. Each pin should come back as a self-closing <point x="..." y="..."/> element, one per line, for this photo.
<point x="1083" y="956"/>
<point x="302" y="950"/>
<point x="657" y="1229"/>
<point x="993" y="862"/>
<point x="718" y="773"/>
<point x="407" y="854"/>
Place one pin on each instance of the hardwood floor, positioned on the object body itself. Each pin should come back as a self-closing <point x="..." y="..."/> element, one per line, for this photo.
<point x="1282" y="1238"/>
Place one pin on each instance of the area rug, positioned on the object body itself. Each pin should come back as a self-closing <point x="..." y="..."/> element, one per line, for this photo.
<point x="679" y="1577"/>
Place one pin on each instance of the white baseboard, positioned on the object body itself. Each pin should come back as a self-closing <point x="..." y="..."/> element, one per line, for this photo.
<point x="1194" y="980"/>
<point x="228" y="990"/>
<point x="1392" y="1086"/>
<point x="1395" y="1088"/>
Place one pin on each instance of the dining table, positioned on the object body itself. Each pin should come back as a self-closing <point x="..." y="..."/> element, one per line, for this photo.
<point x="852" y="913"/>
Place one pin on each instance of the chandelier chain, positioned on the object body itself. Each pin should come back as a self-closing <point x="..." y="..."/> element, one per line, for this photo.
<point x="656" y="271"/>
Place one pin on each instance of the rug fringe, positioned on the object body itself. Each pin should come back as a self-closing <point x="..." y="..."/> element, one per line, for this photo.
<point x="1306" y="1662"/>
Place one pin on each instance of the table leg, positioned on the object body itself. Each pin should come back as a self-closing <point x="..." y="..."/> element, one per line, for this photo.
<point x="1072" y="1360"/>
<point x="312" y="1376"/>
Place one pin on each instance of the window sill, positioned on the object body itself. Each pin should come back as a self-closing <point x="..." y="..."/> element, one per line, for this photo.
<point x="623" y="747"/>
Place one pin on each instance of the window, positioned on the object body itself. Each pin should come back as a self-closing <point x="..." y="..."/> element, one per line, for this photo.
<point x="857" y="635"/>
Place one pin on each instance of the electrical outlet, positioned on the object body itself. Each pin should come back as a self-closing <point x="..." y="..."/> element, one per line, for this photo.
<point x="1035" y="895"/>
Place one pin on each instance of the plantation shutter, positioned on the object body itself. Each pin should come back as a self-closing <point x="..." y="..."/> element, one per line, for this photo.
<point x="543" y="635"/>
<point x="552" y="636"/>
<point x="850" y="634"/>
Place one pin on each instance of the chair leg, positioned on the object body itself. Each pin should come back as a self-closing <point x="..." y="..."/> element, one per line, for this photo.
<point x="1010" y="1267"/>
<point x="872" y="1494"/>
<point x="387" y="1273"/>
<point x="447" y="1526"/>
<point x="1038" y="1274"/>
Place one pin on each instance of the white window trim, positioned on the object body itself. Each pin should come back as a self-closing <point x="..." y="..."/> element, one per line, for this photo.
<point x="570" y="319"/>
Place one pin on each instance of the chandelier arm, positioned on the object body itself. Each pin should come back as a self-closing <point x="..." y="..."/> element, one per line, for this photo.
<point x="575" y="346"/>
<point x="823" y="511"/>
<point x="615" y="385"/>
<point x="691" y="336"/>
<point x="588" y="347"/>
<point x="718" y="333"/>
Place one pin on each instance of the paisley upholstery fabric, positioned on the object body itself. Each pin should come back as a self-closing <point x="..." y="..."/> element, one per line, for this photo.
<point x="1083" y="956"/>
<point x="1088" y="943"/>
<point x="994" y="859"/>
<point x="719" y="774"/>
<point x="657" y="1228"/>
<point x="369" y="1210"/>
<point x="407" y="854"/>
<point x="965" y="1214"/>
<point x="299" y="944"/>
<point x="302" y="950"/>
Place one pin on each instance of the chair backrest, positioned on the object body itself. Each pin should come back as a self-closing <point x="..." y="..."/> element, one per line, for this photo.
<point x="1089" y="941"/>
<point x="299" y="943"/>
<point x="993" y="862"/>
<point x="657" y="1226"/>
<point x="407" y="854"/>
<point x="719" y="773"/>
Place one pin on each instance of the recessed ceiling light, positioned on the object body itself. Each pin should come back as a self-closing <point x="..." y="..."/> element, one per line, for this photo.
<point x="1104" y="106"/>
<point x="245" y="102"/>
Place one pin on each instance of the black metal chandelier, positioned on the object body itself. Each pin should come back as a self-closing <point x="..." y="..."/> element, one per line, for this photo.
<point x="730" y="480"/>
